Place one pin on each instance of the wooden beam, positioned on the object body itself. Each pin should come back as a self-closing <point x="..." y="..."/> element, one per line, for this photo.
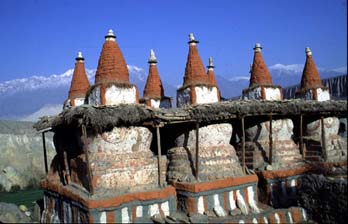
<point x="89" y="175"/>
<point x="270" y="140"/>
<point x="159" y="155"/>
<point x="197" y="151"/>
<point x="302" y="149"/>
<point x="44" y="151"/>
<point x="323" y="141"/>
<point x="243" y="145"/>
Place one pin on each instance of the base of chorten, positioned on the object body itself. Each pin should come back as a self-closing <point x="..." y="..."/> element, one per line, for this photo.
<point x="164" y="102"/>
<point x="263" y="92"/>
<point x="112" y="94"/>
<point x="65" y="204"/>
<point x="318" y="94"/>
<point x="198" y="94"/>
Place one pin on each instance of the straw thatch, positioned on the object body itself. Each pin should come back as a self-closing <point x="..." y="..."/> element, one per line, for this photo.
<point x="99" y="118"/>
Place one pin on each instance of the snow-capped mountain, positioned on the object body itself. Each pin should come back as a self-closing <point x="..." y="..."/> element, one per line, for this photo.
<point x="35" y="96"/>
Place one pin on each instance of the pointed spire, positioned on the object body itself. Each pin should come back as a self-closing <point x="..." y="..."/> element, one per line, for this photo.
<point x="259" y="71"/>
<point x="152" y="58"/>
<point x="194" y="71"/>
<point x="79" y="83"/>
<point x="310" y="75"/>
<point x="153" y="87"/>
<point x="211" y="73"/>
<point x="112" y="66"/>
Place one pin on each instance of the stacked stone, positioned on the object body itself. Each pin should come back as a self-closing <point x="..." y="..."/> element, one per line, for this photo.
<point x="331" y="146"/>
<point x="196" y="88"/>
<point x="112" y="84"/>
<point x="153" y="91"/>
<point x="79" y="84"/>
<point x="286" y="153"/>
<point x="215" y="154"/>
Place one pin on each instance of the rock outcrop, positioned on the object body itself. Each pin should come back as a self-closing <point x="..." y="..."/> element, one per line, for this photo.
<point x="21" y="156"/>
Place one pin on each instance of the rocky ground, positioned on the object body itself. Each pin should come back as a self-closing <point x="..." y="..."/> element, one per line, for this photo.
<point x="11" y="213"/>
<point x="21" y="155"/>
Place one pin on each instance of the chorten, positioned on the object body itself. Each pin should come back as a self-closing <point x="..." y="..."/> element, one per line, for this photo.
<point x="112" y="84"/>
<point x="153" y="91"/>
<point x="196" y="88"/>
<point x="311" y="86"/>
<point x="329" y="145"/>
<point x="261" y="85"/>
<point x="79" y="84"/>
<point x="258" y="132"/>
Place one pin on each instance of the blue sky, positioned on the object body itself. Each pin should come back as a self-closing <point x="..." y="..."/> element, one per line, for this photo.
<point x="42" y="37"/>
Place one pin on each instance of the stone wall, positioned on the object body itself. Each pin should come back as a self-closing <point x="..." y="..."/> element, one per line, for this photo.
<point x="325" y="199"/>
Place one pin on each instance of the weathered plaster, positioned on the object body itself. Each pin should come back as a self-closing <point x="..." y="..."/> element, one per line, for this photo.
<point x="206" y="94"/>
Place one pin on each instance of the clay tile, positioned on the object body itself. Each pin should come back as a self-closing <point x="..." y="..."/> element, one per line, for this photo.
<point x="259" y="71"/>
<point x="153" y="87"/>
<point x="310" y="75"/>
<point x="194" y="71"/>
<point x="211" y="73"/>
<point x="79" y="83"/>
<point x="112" y="66"/>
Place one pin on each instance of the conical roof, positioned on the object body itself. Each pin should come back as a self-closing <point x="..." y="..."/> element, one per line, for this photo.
<point x="112" y="66"/>
<point x="194" y="71"/>
<point x="310" y="75"/>
<point x="259" y="71"/>
<point x="79" y="83"/>
<point x="153" y="87"/>
<point x="211" y="73"/>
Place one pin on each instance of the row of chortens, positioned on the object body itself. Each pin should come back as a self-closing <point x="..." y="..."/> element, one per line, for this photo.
<point x="198" y="87"/>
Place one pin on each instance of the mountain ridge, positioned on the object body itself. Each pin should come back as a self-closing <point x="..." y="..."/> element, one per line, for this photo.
<point x="20" y="99"/>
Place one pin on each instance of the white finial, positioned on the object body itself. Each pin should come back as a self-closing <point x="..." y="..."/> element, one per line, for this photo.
<point x="79" y="56"/>
<point x="257" y="47"/>
<point x="111" y="32"/>
<point x="211" y="65"/>
<point x="308" y="51"/>
<point x="191" y="37"/>
<point x="110" y="35"/>
<point x="192" y="40"/>
<point x="152" y="58"/>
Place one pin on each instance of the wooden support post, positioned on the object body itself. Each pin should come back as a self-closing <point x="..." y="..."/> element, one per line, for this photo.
<point x="243" y="145"/>
<point x="197" y="151"/>
<point x="302" y="149"/>
<point x="159" y="155"/>
<point x="270" y="140"/>
<point x="66" y="165"/>
<point x="89" y="175"/>
<point x="44" y="151"/>
<point x="323" y="141"/>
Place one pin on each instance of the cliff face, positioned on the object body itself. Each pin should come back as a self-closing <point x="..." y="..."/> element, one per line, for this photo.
<point x="21" y="155"/>
<point x="337" y="86"/>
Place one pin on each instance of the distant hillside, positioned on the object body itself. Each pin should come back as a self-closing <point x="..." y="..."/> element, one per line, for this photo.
<point x="337" y="86"/>
<point x="21" y="155"/>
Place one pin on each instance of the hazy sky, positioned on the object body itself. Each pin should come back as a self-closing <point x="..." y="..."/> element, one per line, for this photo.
<point x="42" y="37"/>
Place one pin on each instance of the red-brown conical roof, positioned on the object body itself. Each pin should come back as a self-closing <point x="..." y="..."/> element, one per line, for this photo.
<point x="79" y="83"/>
<point x="194" y="71"/>
<point x="153" y="87"/>
<point x="259" y="71"/>
<point x="111" y="66"/>
<point x="310" y="75"/>
<point x="211" y="73"/>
